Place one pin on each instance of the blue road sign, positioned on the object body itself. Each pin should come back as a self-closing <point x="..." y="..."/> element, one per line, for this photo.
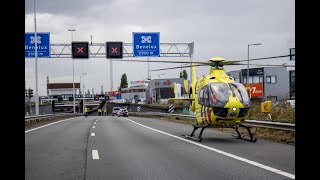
<point x="43" y="45"/>
<point x="146" y="44"/>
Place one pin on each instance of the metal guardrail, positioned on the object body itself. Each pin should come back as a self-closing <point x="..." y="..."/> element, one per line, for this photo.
<point x="270" y="124"/>
<point x="254" y="123"/>
<point x="30" y="119"/>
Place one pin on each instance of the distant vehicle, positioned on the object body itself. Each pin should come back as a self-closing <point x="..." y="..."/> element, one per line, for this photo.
<point x="123" y="112"/>
<point x="115" y="111"/>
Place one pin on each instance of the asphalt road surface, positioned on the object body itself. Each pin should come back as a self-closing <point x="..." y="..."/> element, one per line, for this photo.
<point x="110" y="147"/>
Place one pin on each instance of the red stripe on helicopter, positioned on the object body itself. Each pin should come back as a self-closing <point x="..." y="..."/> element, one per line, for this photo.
<point x="209" y="115"/>
<point x="205" y="114"/>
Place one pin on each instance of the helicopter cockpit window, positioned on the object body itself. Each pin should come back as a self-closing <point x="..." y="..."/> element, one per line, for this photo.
<point x="219" y="94"/>
<point x="240" y="92"/>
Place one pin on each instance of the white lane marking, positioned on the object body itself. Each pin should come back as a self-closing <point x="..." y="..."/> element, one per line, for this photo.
<point x="93" y="127"/>
<point x="95" y="154"/>
<point x="48" y="124"/>
<point x="93" y="134"/>
<point x="292" y="176"/>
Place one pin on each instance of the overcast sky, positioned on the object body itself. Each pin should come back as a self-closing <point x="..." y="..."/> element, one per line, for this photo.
<point x="221" y="28"/>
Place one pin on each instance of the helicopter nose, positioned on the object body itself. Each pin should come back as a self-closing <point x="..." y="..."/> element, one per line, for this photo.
<point x="233" y="108"/>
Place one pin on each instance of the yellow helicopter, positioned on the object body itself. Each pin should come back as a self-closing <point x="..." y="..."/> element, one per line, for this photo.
<point x="217" y="99"/>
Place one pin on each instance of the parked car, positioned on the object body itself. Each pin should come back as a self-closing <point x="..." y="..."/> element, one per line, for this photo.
<point x="123" y="112"/>
<point x="115" y="111"/>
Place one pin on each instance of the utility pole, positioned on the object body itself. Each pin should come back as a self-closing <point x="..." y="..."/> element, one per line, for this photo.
<point x="36" y="59"/>
<point x="74" y="93"/>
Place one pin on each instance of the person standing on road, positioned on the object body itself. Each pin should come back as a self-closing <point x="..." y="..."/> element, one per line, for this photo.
<point x="86" y="111"/>
<point x="99" y="111"/>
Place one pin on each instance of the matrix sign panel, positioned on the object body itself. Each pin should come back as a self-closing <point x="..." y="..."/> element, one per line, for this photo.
<point x="80" y="50"/>
<point x="146" y="44"/>
<point x="114" y="50"/>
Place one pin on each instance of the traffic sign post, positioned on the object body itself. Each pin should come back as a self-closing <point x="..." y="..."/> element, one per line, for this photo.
<point x="80" y="50"/>
<point x="43" y="45"/>
<point x="146" y="44"/>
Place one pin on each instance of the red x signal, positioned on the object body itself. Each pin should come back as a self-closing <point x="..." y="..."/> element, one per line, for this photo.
<point x="114" y="50"/>
<point x="80" y="50"/>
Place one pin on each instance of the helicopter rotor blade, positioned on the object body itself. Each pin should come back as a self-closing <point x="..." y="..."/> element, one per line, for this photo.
<point x="197" y="63"/>
<point x="274" y="65"/>
<point x="266" y="58"/>
<point x="184" y="62"/>
<point x="177" y="67"/>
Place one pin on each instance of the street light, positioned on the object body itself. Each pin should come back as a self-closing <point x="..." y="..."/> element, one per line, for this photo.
<point x="36" y="60"/>
<point x="74" y="94"/>
<point x="256" y="44"/>
<point x="159" y="87"/>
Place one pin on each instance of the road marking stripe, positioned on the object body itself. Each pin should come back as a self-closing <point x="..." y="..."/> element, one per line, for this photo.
<point x="292" y="176"/>
<point x="93" y="134"/>
<point x="93" y="127"/>
<point x="95" y="154"/>
<point x="48" y="125"/>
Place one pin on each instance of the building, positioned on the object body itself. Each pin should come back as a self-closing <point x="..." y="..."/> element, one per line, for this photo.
<point x="114" y="95"/>
<point x="292" y="76"/>
<point x="62" y="91"/>
<point x="163" y="89"/>
<point x="135" y="92"/>
<point x="268" y="83"/>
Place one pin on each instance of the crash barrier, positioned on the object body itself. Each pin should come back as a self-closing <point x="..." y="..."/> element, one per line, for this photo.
<point x="251" y="122"/>
<point x="34" y="119"/>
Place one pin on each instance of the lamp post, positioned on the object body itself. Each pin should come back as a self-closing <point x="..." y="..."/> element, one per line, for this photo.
<point x="36" y="60"/>
<point x="256" y="44"/>
<point x="74" y="96"/>
<point x="159" y="86"/>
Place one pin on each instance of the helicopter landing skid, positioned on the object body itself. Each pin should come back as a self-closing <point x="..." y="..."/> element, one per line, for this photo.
<point x="195" y="127"/>
<point x="252" y="139"/>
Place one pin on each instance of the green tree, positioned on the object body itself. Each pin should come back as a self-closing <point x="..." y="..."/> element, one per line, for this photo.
<point x="124" y="81"/>
<point x="181" y="74"/>
<point x="184" y="74"/>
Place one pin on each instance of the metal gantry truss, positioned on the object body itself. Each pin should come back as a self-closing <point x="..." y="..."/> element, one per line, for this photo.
<point x="98" y="50"/>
